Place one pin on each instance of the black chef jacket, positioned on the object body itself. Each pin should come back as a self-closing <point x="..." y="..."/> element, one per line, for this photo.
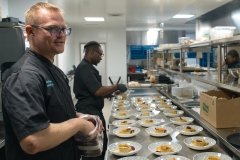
<point x="35" y="94"/>
<point x="233" y="65"/>
<point x="86" y="82"/>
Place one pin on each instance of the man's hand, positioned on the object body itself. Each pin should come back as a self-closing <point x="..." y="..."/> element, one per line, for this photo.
<point x="122" y="87"/>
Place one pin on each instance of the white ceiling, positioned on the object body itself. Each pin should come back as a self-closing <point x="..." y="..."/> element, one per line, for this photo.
<point x="135" y="14"/>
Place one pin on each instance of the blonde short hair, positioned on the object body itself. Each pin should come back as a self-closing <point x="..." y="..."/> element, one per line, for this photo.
<point x="32" y="13"/>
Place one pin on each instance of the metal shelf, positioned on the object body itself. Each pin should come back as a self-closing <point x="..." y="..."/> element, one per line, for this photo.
<point x="208" y="78"/>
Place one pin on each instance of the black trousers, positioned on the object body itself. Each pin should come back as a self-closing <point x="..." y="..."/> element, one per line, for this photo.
<point x="94" y="111"/>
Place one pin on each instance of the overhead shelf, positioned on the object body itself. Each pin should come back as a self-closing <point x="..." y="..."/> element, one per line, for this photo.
<point x="208" y="78"/>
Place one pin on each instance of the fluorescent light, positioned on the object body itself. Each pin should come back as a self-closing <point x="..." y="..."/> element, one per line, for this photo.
<point x="183" y="16"/>
<point x="94" y="19"/>
<point x="154" y="29"/>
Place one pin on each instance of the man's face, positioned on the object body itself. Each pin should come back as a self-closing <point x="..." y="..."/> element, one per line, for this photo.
<point x="230" y="59"/>
<point x="98" y="53"/>
<point x="43" y="41"/>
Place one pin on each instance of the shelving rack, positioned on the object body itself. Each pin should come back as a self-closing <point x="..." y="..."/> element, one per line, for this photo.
<point x="222" y="44"/>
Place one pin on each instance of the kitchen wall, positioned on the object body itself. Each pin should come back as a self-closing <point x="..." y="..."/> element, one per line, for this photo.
<point x="17" y="8"/>
<point x="4" y="7"/>
<point x="114" y="38"/>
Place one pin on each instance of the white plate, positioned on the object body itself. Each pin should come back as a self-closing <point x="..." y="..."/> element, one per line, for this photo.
<point x="174" y="120"/>
<point x="117" y="116"/>
<point x="113" y="148"/>
<point x="118" y="109"/>
<point x="117" y="106"/>
<point x="143" y="99"/>
<point x="116" y="132"/>
<point x="169" y="114"/>
<point x="133" y="158"/>
<point x="204" y="156"/>
<point x="155" y="122"/>
<point x="175" y="146"/>
<point x="188" y="142"/>
<point x="151" y="130"/>
<point x="162" y="108"/>
<point x="123" y="101"/>
<point x="168" y="102"/>
<point x="180" y="129"/>
<point x="139" y="115"/>
<point x="171" y="156"/>
<point x="140" y="109"/>
<point x="117" y="123"/>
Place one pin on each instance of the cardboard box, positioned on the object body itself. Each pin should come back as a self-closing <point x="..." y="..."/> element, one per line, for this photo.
<point x="219" y="109"/>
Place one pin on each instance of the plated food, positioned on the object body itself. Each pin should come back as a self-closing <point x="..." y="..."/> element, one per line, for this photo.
<point x="124" y="123"/>
<point x="145" y="108"/>
<point x="173" y="113"/>
<point x="122" y="114"/>
<point x="189" y="129"/>
<point x="211" y="156"/>
<point x="159" y="131"/>
<point x="140" y="100"/>
<point x="126" y="131"/>
<point x="172" y="157"/>
<point x="181" y="120"/>
<point x="133" y="158"/>
<point x="199" y="143"/>
<point x="121" y="109"/>
<point x="149" y="122"/>
<point x="121" y="101"/>
<point x="124" y="148"/>
<point x="141" y="115"/>
<point x="166" y="107"/>
<point x="164" y="148"/>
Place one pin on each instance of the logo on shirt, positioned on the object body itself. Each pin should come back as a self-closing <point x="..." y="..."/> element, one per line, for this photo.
<point x="49" y="83"/>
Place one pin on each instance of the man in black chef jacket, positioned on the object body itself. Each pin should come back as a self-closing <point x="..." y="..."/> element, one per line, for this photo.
<point x="39" y="115"/>
<point x="89" y="90"/>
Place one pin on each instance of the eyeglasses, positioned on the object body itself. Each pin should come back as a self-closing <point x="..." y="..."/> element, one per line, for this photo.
<point x="54" y="31"/>
<point x="101" y="54"/>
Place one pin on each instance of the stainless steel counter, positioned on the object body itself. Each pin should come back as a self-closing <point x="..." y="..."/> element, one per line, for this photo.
<point x="144" y="139"/>
<point x="219" y="134"/>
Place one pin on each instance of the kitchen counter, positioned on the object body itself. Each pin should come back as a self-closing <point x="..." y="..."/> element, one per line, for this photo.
<point x="144" y="139"/>
<point x="219" y="134"/>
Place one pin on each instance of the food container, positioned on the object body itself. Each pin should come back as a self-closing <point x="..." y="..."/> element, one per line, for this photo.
<point x="132" y="69"/>
<point x="182" y="92"/>
<point x="182" y="40"/>
<point x="220" y="32"/>
<point x="90" y="147"/>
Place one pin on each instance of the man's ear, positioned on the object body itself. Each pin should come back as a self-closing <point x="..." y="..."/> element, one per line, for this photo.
<point x="29" y="30"/>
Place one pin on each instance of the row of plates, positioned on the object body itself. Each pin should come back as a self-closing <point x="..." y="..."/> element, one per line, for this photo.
<point x="113" y="148"/>
<point x="152" y="147"/>
<point x="174" y="120"/>
<point x="151" y="130"/>
<point x="199" y="156"/>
